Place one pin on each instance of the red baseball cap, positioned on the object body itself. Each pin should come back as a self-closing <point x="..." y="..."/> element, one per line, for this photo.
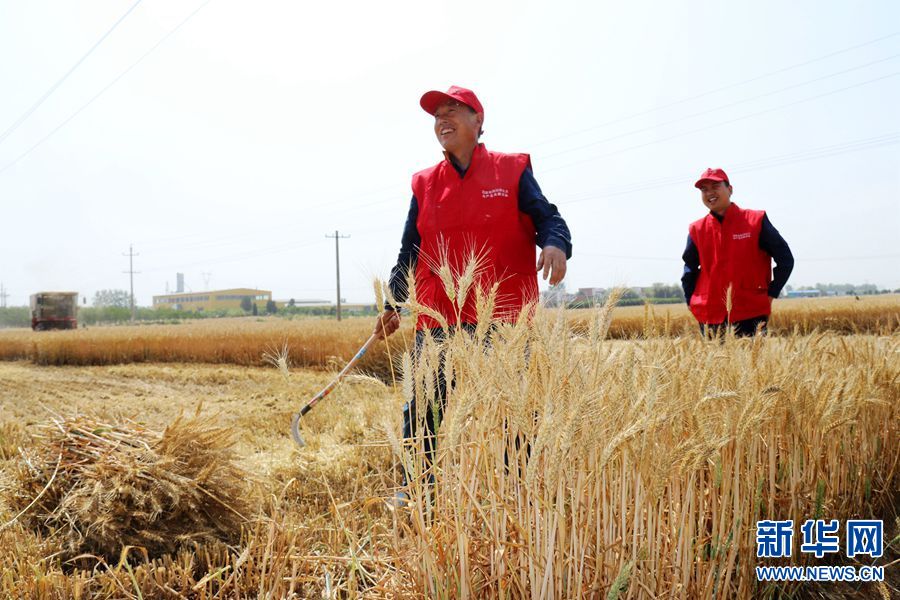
<point x="430" y="101"/>
<point x="713" y="175"/>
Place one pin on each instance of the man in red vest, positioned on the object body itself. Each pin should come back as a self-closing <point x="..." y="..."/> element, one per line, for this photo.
<point x="473" y="201"/>
<point x="728" y="278"/>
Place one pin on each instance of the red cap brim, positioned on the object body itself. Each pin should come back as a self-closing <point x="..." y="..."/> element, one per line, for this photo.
<point x="699" y="181"/>
<point x="430" y="101"/>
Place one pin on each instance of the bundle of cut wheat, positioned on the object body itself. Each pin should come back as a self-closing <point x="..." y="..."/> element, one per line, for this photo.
<point x="99" y="487"/>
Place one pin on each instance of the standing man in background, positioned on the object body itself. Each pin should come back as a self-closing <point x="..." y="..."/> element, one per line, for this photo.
<point x="732" y="248"/>
<point x="474" y="200"/>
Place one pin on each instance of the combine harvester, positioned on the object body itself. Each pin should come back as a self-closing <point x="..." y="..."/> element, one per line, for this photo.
<point x="54" y="310"/>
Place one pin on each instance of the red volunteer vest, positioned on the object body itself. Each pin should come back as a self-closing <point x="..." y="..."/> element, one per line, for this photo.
<point x="730" y="255"/>
<point x="477" y="213"/>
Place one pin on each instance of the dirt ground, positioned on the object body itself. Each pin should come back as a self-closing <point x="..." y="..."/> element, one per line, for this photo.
<point x="256" y="402"/>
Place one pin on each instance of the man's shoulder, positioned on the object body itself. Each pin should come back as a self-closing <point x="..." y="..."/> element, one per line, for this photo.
<point x="757" y="214"/>
<point x="426" y="177"/>
<point x="519" y="159"/>
<point x="428" y="172"/>
<point x="502" y="155"/>
<point x="699" y="222"/>
<point x="751" y="214"/>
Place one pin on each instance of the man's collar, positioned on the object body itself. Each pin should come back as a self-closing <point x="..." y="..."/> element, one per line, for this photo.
<point x="479" y="151"/>
<point x="727" y="210"/>
<point x="454" y="164"/>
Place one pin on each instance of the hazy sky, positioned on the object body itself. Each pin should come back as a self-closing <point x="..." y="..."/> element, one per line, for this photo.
<point x="257" y="128"/>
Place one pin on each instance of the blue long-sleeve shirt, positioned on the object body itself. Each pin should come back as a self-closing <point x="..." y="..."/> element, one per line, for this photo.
<point x="550" y="228"/>
<point x="770" y="242"/>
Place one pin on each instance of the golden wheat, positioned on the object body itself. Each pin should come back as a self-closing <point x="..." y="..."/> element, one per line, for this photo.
<point x="569" y="465"/>
<point x="571" y="468"/>
<point x="323" y="343"/>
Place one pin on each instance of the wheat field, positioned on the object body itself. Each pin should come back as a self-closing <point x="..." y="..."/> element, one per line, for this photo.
<point x="569" y="464"/>
<point x="323" y="343"/>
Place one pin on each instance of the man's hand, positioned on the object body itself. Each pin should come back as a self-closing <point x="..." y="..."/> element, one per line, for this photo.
<point x="553" y="262"/>
<point x="387" y="323"/>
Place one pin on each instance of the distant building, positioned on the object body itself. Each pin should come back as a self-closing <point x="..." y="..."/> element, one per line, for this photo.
<point x="803" y="294"/>
<point x="591" y="292"/>
<point x="213" y="300"/>
<point x="302" y="302"/>
<point x="590" y="295"/>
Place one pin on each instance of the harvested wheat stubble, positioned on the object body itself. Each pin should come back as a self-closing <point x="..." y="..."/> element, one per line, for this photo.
<point x="98" y="487"/>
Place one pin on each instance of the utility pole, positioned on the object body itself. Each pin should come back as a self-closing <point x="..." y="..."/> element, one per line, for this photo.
<point x="3" y="295"/>
<point x="131" y="272"/>
<point x="206" y="277"/>
<point x="337" y="261"/>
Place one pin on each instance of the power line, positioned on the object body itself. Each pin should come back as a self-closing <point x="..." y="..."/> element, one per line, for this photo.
<point x="259" y="253"/>
<point x="224" y="240"/>
<point x="392" y="187"/>
<point x="720" y="123"/>
<point x="757" y="164"/>
<point x="718" y="108"/>
<point x="710" y="92"/>
<point x="636" y="187"/>
<point x="754" y="165"/>
<point x="103" y="91"/>
<point x="803" y="259"/>
<point x="719" y="89"/>
<point x="784" y="69"/>
<point x="22" y="118"/>
<point x="888" y="141"/>
<point x="656" y="126"/>
<point x="626" y="257"/>
<point x="851" y="258"/>
<point x="238" y="257"/>
<point x="680" y="101"/>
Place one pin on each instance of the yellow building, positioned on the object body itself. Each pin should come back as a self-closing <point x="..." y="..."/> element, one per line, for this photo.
<point x="213" y="300"/>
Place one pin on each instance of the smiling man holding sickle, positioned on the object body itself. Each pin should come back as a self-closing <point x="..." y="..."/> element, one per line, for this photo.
<point x="475" y="200"/>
